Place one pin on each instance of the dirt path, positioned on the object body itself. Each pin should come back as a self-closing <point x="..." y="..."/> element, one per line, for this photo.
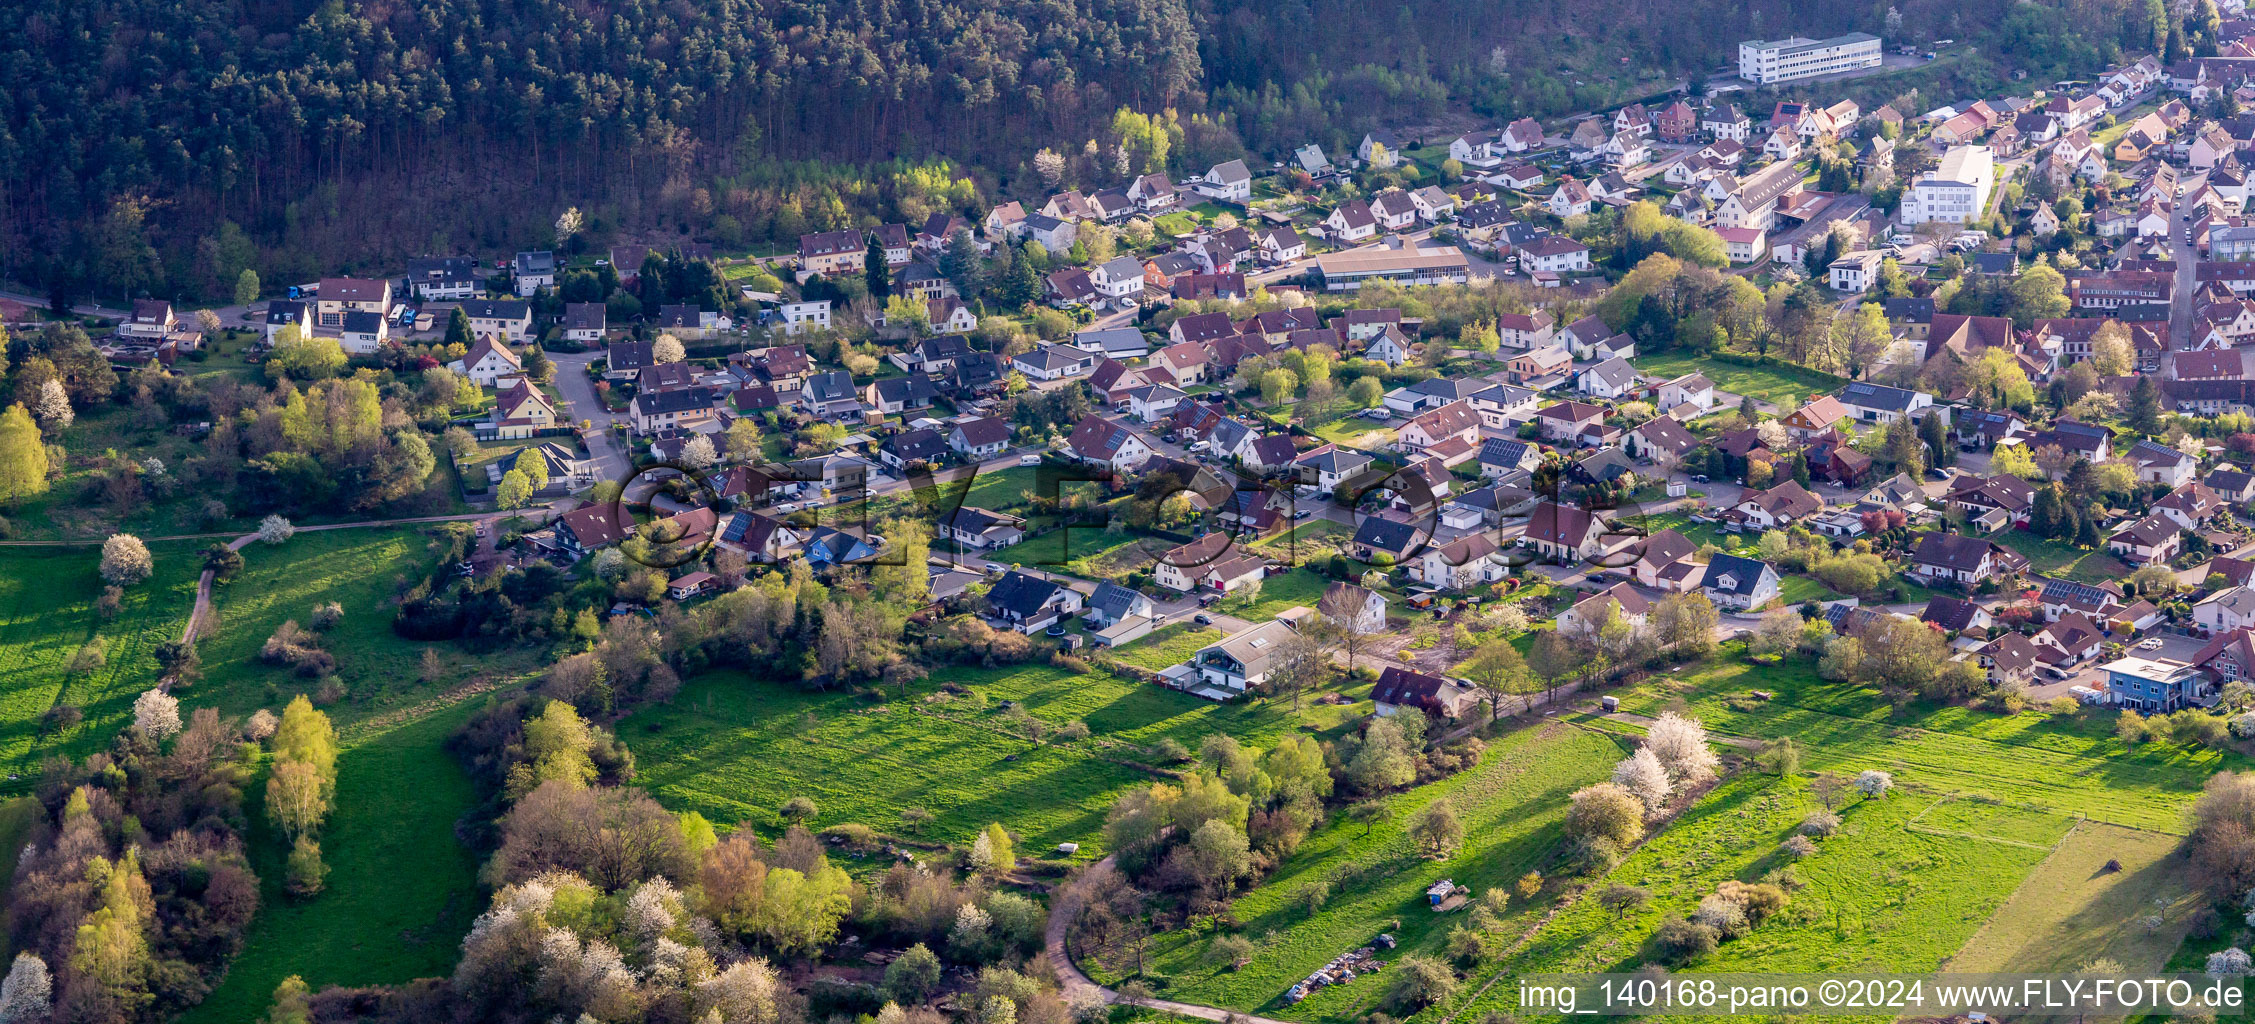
<point x="1064" y="907"/>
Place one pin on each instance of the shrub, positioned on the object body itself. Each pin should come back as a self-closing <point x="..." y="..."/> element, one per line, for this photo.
<point x="1420" y="981"/>
<point x="295" y="646"/>
<point x="1229" y="950"/>
<point x="1820" y="824"/>
<point x="1726" y="916"/>
<point x="326" y="616"/>
<point x="853" y="836"/>
<point x="1798" y="846"/>
<point x="1684" y="941"/>
<point x="125" y="560"/>
<point x="1605" y="811"/>
<point x="305" y="874"/>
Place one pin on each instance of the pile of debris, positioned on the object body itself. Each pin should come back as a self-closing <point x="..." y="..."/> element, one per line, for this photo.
<point x="1342" y="969"/>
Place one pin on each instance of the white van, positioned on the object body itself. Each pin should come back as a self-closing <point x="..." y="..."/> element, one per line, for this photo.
<point x="2086" y="694"/>
<point x="1029" y="460"/>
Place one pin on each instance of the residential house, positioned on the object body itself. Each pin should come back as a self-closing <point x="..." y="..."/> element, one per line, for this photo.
<point x="1608" y="380"/>
<point x="2152" y="540"/>
<point x="2158" y="463"/>
<point x="1244" y="660"/>
<point x="830" y="395"/>
<point x="1454" y="420"/>
<point x="1102" y="442"/>
<point x="1590" y="614"/>
<point x="507" y="319"/>
<point x="1030" y="604"/>
<point x="487" y="363"/>
<point x="1780" y="506"/>
<point x="1965" y="561"/>
<point x="1566" y="421"/>
<point x="1400" y="688"/>
<point x="1741" y="584"/>
<point x="1461" y="564"/>
<point x="1878" y="403"/>
<point x="1348" y="606"/>
<point x="1564" y="533"/>
<point x="1053" y="362"/>
<point x="533" y="271"/>
<point x="1351" y="221"/>
<point x="979" y="439"/>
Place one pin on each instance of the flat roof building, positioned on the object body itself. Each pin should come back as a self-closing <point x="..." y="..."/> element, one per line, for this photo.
<point x="1955" y="192"/>
<point x="1346" y="271"/>
<point x="1785" y="60"/>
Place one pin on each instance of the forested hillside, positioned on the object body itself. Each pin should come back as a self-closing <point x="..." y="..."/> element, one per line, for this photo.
<point x="160" y="146"/>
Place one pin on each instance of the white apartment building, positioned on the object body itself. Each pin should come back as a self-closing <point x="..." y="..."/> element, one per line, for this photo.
<point x="1955" y="192"/>
<point x="1785" y="60"/>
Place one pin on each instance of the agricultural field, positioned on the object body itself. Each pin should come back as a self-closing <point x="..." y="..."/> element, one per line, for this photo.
<point x="2070" y="764"/>
<point x="1876" y="896"/>
<point x="734" y="748"/>
<point x="401" y="891"/>
<point x="2073" y="910"/>
<point x="1778" y="385"/>
<point x="1513" y="807"/>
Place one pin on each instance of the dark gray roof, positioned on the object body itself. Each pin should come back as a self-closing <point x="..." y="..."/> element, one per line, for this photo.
<point x="1745" y="573"/>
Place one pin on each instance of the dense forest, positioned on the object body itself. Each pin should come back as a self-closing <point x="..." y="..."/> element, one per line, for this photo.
<point x="159" y="147"/>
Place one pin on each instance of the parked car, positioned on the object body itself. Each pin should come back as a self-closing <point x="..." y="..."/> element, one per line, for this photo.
<point x="1202" y="619"/>
<point x="1029" y="460"/>
<point x="996" y="568"/>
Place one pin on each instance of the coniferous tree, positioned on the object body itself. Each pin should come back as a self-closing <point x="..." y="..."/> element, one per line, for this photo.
<point x="2145" y="406"/>
<point x="458" y="329"/>
<point x="877" y="271"/>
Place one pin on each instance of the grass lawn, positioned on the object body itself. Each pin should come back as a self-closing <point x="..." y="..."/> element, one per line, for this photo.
<point x="1297" y="587"/>
<point x="1793" y="591"/>
<point x="1878" y="896"/>
<point x="1316" y="538"/>
<point x="735" y="748"/>
<point x="2052" y="558"/>
<point x="1167" y="645"/>
<point x="362" y="570"/>
<point x="1006" y="489"/>
<point x="1512" y="805"/>
<point x="1783" y="386"/>
<point x="2071" y="910"/>
<point x="1083" y="551"/>
<point x="402" y="891"/>
<point x="2063" y="764"/>
<point x="1699" y="534"/>
<point x="47" y="612"/>
<point x="1353" y="432"/>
